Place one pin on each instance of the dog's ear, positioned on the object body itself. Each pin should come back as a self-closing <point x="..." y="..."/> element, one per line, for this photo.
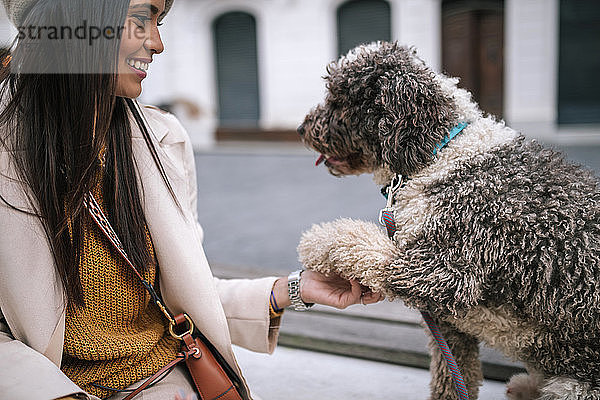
<point x="416" y="115"/>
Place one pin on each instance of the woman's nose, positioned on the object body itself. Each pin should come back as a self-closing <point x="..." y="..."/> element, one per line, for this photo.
<point x="154" y="42"/>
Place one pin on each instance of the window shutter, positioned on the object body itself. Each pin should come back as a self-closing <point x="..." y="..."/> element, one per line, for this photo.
<point x="579" y="62"/>
<point x="362" y="21"/>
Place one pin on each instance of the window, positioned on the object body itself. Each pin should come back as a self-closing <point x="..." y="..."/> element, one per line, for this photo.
<point x="237" y="69"/>
<point x="362" y="21"/>
<point x="579" y="62"/>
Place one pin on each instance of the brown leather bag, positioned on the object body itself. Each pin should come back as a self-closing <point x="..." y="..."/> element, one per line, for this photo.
<point x="210" y="378"/>
<point x="212" y="375"/>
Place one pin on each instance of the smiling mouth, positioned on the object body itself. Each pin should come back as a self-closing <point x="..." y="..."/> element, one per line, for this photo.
<point x="138" y="65"/>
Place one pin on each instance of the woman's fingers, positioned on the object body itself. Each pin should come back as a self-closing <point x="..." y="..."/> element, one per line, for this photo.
<point x="372" y="297"/>
<point x="335" y="291"/>
<point x="351" y="296"/>
<point x="355" y="288"/>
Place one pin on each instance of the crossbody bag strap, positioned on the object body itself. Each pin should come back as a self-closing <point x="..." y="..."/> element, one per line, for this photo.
<point x="210" y="378"/>
<point x="98" y="216"/>
<point x="102" y="221"/>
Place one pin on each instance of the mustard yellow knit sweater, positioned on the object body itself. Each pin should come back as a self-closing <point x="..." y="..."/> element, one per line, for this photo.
<point x="120" y="336"/>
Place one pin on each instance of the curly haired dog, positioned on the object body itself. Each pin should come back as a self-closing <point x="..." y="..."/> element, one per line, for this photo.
<point x="497" y="237"/>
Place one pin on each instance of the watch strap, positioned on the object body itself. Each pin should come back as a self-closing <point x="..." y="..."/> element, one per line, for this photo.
<point x="294" y="292"/>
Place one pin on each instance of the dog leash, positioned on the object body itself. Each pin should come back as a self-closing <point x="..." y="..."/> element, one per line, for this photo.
<point x="386" y="218"/>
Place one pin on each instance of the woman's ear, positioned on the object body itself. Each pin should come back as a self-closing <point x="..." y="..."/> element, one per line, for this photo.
<point x="416" y="116"/>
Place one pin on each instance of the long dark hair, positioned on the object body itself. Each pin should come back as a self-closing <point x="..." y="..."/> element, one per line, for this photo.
<point x="60" y="122"/>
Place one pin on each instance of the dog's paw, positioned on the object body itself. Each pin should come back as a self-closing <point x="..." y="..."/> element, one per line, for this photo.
<point x="349" y="248"/>
<point x="523" y="387"/>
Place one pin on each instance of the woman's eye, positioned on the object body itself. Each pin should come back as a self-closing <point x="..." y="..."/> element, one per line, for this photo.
<point x="142" y="18"/>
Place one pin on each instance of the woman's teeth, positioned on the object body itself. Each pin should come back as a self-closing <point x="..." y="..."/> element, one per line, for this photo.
<point x="142" y="66"/>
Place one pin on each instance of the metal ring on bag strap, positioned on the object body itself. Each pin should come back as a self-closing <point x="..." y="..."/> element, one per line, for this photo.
<point x="189" y="331"/>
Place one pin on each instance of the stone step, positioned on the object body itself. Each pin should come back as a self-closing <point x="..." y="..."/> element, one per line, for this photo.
<point x="386" y="332"/>
<point x="378" y="339"/>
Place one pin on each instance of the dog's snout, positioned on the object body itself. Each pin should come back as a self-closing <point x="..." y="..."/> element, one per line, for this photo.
<point x="300" y="130"/>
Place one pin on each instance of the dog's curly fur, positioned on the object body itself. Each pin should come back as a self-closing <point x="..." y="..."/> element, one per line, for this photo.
<point x="498" y="237"/>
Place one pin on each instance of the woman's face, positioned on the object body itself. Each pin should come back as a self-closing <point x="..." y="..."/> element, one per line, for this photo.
<point x="139" y="41"/>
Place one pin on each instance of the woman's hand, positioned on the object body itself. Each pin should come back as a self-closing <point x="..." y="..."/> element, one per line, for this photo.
<point x="333" y="291"/>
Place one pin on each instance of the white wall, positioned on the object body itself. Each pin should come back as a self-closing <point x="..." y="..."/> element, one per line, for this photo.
<point x="531" y="53"/>
<point x="7" y="31"/>
<point x="296" y="47"/>
<point x="296" y="39"/>
<point x="418" y="23"/>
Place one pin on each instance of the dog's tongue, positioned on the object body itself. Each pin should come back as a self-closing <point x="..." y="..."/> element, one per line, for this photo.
<point x="320" y="160"/>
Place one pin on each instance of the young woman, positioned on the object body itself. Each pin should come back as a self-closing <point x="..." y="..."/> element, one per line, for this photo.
<point x="76" y="322"/>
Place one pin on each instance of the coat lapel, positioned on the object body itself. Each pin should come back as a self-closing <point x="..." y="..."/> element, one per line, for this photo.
<point x="186" y="281"/>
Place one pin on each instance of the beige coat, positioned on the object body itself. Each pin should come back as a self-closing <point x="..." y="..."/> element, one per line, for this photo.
<point x="31" y="301"/>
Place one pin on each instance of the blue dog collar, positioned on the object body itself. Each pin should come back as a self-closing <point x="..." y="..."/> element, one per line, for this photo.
<point x="404" y="179"/>
<point x="455" y="131"/>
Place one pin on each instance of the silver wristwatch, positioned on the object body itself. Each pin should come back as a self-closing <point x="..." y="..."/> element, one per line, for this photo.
<point x="294" y="292"/>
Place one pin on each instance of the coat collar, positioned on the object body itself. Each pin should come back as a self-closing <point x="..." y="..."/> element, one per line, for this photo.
<point x="169" y="139"/>
<point x="165" y="127"/>
<point x="157" y="126"/>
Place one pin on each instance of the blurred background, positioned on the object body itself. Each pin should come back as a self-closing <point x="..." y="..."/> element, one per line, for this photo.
<point x="250" y="70"/>
<point x="241" y="75"/>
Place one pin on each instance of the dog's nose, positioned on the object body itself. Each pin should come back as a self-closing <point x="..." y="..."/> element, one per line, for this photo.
<point x="300" y="130"/>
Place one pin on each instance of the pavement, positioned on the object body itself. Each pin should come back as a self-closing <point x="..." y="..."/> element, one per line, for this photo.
<point x="304" y="375"/>
<point x="254" y="203"/>
<point x="256" y="199"/>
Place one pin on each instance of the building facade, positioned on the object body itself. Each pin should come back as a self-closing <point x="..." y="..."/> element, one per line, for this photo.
<point x="252" y="69"/>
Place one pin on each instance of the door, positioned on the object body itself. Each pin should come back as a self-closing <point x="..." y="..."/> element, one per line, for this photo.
<point x="473" y="49"/>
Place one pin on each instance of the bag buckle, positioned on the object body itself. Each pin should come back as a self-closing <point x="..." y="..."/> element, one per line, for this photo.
<point x="189" y="331"/>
